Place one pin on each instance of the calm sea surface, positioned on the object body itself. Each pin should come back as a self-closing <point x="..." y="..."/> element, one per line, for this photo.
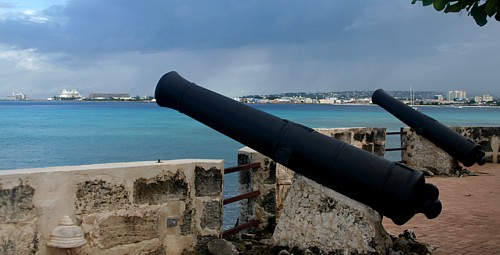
<point x="42" y="134"/>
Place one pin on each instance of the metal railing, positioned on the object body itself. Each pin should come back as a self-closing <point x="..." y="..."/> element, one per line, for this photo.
<point x="394" y="149"/>
<point x="240" y="197"/>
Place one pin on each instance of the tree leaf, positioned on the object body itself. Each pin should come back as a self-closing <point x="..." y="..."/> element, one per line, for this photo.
<point x="456" y="7"/>
<point x="480" y="10"/>
<point x="439" y="5"/>
<point x="427" y="2"/>
<point x="490" y="7"/>
<point x="470" y="4"/>
<point x="479" y="14"/>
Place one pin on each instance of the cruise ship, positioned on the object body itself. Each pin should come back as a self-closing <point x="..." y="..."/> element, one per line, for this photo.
<point x="69" y="95"/>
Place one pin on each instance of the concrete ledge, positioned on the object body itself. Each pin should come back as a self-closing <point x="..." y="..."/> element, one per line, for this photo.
<point x="135" y="206"/>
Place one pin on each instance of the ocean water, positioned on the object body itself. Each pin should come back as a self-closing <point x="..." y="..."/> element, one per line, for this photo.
<point x="51" y="133"/>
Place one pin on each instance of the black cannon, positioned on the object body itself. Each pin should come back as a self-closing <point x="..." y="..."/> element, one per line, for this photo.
<point x="393" y="189"/>
<point x="459" y="147"/>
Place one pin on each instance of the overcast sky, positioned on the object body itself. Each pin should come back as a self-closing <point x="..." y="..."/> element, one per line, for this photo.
<point x="243" y="47"/>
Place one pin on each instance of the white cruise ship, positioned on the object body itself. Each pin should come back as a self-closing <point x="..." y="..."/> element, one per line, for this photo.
<point x="69" y="95"/>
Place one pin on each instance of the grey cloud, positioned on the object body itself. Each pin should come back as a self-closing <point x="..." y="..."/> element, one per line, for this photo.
<point x="104" y="26"/>
<point x="352" y="30"/>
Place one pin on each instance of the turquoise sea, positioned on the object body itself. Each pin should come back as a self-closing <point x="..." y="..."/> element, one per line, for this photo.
<point x="52" y="133"/>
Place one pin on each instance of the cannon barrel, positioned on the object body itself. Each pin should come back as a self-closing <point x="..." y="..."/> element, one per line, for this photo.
<point x="394" y="190"/>
<point x="459" y="147"/>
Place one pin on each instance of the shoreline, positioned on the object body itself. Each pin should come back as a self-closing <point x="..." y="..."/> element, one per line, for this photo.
<point x="443" y="105"/>
<point x="151" y="101"/>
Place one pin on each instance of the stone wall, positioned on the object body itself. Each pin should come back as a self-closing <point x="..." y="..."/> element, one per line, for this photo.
<point x="421" y="154"/>
<point x="487" y="137"/>
<point x="263" y="179"/>
<point x="316" y="217"/>
<point x="172" y="207"/>
<point x="368" y="139"/>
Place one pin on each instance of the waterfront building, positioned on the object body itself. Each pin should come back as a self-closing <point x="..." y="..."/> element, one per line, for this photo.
<point x="308" y="100"/>
<point x="109" y="96"/>
<point x="457" y="95"/>
<point x="17" y="97"/>
<point x="326" y="101"/>
<point x="488" y="98"/>
<point x="483" y="98"/>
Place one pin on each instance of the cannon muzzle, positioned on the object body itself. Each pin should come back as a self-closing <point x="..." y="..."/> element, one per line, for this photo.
<point x="459" y="147"/>
<point x="392" y="189"/>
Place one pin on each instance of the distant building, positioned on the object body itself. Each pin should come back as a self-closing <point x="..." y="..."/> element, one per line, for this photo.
<point x="69" y="95"/>
<point x="439" y="97"/>
<point x="308" y="100"/>
<point x="457" y="95"/>
<point x="109" y="96"/>
<point x="488" y="98"/>
<point x="483" y="98"/>
<point x="326" y="101"/>
<point x="17" y="97"/>
<point x="284" y="100"/>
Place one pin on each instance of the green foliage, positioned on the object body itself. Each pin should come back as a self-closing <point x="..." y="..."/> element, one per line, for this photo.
<point x="480" y="10"/>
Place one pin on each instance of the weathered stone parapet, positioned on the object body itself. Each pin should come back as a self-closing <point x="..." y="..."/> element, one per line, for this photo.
<point x="368" y="139"/>
<point x="16" y="204"/>
<point x="263" y="179"/>
<point x="20" y="238"/>
<point x="172" y="207"/>
<point x="320" y="218"/>
<point x="487" y="137"/>
<point x="421" y="154"/>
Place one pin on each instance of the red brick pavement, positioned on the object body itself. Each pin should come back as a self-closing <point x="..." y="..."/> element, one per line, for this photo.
<point x="470" y="220"/>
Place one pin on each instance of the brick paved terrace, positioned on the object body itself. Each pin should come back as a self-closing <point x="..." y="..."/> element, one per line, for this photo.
<point x="470" y="220"/>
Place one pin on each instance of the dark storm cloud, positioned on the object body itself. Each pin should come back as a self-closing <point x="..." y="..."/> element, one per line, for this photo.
<point x="104" y="26"/>
<point x="116" y="26"/>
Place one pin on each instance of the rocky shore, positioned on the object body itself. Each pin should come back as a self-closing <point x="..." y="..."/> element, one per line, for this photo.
<point x="405" y="243"/>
